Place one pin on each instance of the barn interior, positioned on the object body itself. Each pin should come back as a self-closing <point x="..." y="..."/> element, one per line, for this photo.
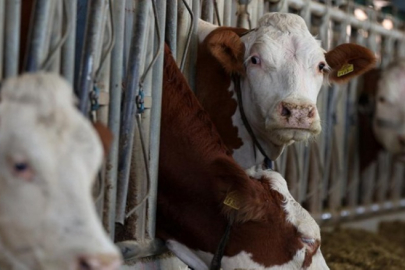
<point x="345" y="178"/>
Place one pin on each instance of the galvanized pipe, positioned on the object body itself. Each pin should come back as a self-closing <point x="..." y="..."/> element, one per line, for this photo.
<point x="55" y="35"/>
<point x="193" y="46"/>
<point x="129" y="110"/>
<point x="227" y="13"/>
<point x="2" y="21"/>
<point x="337" y="15"/>
<point x="94" y="26"/>
<point x="114" y="116"/>
<point x="37" y="41"/>
<point x="207" y="11"/>
<point x="12" y="37"/>
<point x="2" y="25"/>
<point x="154" y="145"/>
<point x="68" y="49"/>
<point x="171" y="26"/>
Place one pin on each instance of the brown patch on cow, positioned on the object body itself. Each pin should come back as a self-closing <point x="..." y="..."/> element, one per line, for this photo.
<point x="360" y="57"/>
<point x="196" y="172"/>
<point x="217" y="59"/>
<point x="369" y="147"/>
<point x="105" y="136"/>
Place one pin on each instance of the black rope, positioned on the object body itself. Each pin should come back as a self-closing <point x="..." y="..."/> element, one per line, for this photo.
<point x="219" y="253"/>
<point x="267" y="160"/>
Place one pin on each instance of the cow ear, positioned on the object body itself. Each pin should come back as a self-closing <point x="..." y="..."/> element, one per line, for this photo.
<point x="105" y="135"/>
<point x="348" y="61"/>
<point x="226" y="46"/>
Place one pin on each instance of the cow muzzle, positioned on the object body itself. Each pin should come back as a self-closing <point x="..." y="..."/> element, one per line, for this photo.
<point x="302" y="116"/>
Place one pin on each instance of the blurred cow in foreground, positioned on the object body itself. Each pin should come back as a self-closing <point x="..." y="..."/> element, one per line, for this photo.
<point x="49" y="157"/>
<point x="382" y="113"/>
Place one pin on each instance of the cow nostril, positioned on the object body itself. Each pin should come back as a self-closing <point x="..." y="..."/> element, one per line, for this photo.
<point x="285" y="111"/>
<point x="84" y="264"/>
<point x="311" y="113"/>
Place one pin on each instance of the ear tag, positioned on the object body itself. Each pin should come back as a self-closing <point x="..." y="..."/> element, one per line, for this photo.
<point x="233" y="200"/>
<point x="346" y="69"/>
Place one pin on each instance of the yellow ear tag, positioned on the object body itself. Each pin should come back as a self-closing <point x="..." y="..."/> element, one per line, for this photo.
<point x="233" y="200"/>
<point x="346" y="69"/>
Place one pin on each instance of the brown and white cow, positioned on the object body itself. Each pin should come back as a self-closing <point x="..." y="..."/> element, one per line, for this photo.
<point x="197" y="176"/>
<point x="382" y="113"/>
<point x="49" y="157"/>
<point x="280" y="67"/>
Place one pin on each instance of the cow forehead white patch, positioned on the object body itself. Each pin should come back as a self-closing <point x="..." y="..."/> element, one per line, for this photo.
<point x="296" y="214"/>
<point x="287" y="33"/>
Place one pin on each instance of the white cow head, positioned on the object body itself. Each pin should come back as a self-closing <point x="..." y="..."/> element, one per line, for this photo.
<point x="282" y="68"/>
<point x="389" y="117"/>
<point x="49" y="158"/>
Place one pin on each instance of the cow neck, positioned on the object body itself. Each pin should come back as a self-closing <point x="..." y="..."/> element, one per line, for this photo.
<point x="267" y="161"/>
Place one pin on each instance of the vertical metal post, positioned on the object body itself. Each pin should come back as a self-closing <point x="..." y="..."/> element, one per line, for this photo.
<point x="55" y="34"/>
<point x="2" y="21"/>
<point x="171" y="26"/>
<point x="116" y="73"/>
<point x="68" y="49"/>
<point x="41" y="15"/>
<point x="227" y="13"/>
<point x="193" y="46"/>
<point x="12" y="37"/>
<point x="94" y="27"/>
<point x="129" y="110"/>
<point x="155" y="123"/>
<point x="207" y="11"/>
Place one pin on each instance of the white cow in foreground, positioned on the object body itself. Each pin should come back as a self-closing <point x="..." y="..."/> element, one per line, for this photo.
<point x="49" y="157"/>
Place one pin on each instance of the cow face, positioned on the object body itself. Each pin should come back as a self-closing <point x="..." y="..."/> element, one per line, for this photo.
<point x="282" y="68"/>
<point x="389" y="115"/>
<point x="49" y="158"/>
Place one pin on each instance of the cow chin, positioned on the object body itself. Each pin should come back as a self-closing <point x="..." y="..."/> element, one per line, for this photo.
<point x="287" y="136"/>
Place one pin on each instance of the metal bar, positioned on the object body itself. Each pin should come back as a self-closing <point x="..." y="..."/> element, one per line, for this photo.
<point x="193" y="46"/>
<point x="128" y="110"/>
<point x="362" y="211"/>
<point x="36" y="47"/>
<point x="171" y="26"/>
<point x="55" y="35"/>
<point x="94" y="26"/>
<point x="155" y="123"/>
<point x="227" y="13"/>
<point x="139" y="168"/>
<point x="116" y="73"/>
<point x="68" y="49"/>
<point x="12" y="37"/>
<point x="2" y="22"/>
<point x="338" y="15"/>
<point x="207" y="11"/>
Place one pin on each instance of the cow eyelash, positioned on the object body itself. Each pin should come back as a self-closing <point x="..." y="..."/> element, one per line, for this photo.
<point x="323" y="67"/>
<point x="254" y="60"/>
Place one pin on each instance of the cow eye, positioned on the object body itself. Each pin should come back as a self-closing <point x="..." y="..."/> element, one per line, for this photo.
<point x="255" y="60"/>
<point x="321" y="66"/>
<point x="22" y="169"/>
<point x="381" y="99"/>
